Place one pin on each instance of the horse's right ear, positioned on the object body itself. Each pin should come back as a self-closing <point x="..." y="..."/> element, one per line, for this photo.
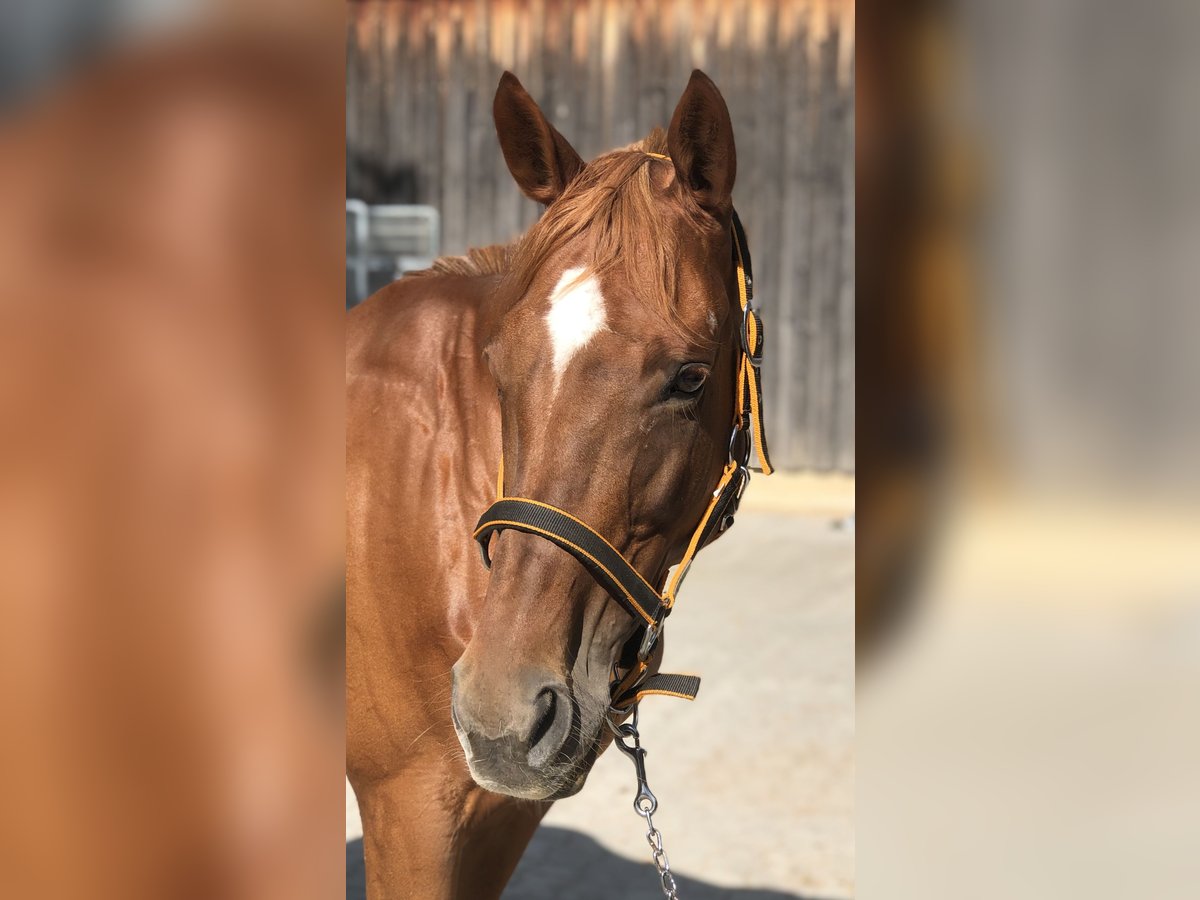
<point x="540" y="159"/>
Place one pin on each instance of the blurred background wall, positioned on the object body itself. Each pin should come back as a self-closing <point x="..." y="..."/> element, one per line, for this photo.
<point x="1028" y="228"/>
<point x="420" y="78"/>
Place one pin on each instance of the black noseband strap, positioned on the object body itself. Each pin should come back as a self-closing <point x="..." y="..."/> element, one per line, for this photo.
<point x="605" y="564"/>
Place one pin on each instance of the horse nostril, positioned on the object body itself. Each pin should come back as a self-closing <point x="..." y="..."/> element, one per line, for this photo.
<point x="544" y="707"/>
<point x="545" y="738"/>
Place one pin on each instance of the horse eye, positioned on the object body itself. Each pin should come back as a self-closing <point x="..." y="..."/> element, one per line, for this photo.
<point x="689" y="379"/>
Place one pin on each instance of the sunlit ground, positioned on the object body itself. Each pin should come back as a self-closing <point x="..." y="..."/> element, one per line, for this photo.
<point x="1033" y="732"/>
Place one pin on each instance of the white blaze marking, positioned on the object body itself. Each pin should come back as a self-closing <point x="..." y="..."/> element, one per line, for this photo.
<point x="576" y="314"/>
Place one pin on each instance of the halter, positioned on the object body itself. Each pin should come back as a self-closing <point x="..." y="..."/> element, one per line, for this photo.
<point x="605" y="563"/>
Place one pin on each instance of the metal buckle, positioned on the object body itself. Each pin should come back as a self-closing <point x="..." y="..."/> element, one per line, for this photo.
<point x="755" y="359"/>
<point x="648" y="641"/>
<point x="740" y="444"/>
<point x="728" y="514"/>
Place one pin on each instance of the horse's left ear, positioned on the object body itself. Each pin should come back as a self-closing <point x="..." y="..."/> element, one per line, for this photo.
<point x="540" y="159"/>
<point x="700" y="141"/>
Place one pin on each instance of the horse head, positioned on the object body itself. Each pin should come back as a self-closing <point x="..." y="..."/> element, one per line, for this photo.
<point x="614" y="354"/>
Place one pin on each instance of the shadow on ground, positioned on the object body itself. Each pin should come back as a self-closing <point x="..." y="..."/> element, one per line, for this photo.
<point x="562" y="863"/>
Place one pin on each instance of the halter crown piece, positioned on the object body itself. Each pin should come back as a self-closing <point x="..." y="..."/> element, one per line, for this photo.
<point x="605" y="563"/>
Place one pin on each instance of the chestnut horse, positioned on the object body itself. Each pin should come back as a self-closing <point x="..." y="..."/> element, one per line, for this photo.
<point x="600" y="352"/>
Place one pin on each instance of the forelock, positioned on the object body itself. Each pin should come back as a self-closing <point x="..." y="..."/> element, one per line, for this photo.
<point x="613" y="208"/>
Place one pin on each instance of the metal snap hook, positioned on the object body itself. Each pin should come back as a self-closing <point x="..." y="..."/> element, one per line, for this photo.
<point x="644" y="803"/>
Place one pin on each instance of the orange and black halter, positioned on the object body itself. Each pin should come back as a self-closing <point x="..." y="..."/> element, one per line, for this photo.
<point x="605" y="563"/>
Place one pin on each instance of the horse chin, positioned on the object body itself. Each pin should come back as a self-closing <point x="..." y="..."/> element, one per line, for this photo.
<point x="543" y="786"/>
<point x="534" y="790"/>
<point x="572" y="788"/>
<point x="573" y="783"/>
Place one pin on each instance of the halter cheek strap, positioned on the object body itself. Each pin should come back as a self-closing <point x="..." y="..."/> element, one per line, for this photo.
<point x="605" y="563"/>
<point x="749" y="393"/>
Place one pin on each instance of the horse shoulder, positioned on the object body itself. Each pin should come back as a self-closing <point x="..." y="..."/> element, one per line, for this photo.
<point x="411" y="325"/>
<point x="412" y="401"/>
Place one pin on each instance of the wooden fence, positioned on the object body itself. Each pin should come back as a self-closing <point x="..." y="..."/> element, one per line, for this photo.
<point x="420" y="81"/>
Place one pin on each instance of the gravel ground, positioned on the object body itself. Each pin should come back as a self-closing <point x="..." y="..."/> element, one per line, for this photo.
<point x="755" y="780"/>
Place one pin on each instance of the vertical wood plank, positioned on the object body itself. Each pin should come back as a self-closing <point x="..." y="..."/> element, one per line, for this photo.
<point x="622" y="74"/>
<point x="355" y="88"/>
<point x="508" y="196"/>
<point x="789" y="397"/>
<point x="433" y="108"/>
<point x="769" y="174"/>
<point x="478" y="69"/>
<point x="844" y="435"/>
<point x="826" y="228"/>
<point x="456" y="136"/>
<point x="592" y="86"/>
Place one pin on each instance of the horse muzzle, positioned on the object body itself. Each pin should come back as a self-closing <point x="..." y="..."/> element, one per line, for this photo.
<point x="522" y="738"/>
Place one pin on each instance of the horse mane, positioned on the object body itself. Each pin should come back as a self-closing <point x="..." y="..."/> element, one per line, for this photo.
<point x="613" y="200"/>
<point x="493" y="260"/>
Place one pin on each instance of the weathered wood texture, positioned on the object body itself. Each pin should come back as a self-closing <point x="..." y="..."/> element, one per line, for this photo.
<point x="420" y="81"/>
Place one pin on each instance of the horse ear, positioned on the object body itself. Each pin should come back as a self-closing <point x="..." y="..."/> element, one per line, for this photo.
<point x="540" y="159"/>
<point x="700" y="141"/>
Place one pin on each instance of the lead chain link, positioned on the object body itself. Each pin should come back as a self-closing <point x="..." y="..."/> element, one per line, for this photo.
<point x="655" y="839"/>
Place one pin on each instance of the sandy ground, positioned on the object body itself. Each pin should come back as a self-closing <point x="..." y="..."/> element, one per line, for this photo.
<point x="755" y="779"/>
<point x="1032" y="731"/>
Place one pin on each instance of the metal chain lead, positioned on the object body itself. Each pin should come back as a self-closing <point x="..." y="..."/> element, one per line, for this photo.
<point x="659" y="855"/>
<point x="645" y="803"/>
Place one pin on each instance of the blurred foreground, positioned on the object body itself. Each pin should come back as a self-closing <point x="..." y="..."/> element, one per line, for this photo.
<point x="1029" y="516"/>
<point x="170" y="464"/>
